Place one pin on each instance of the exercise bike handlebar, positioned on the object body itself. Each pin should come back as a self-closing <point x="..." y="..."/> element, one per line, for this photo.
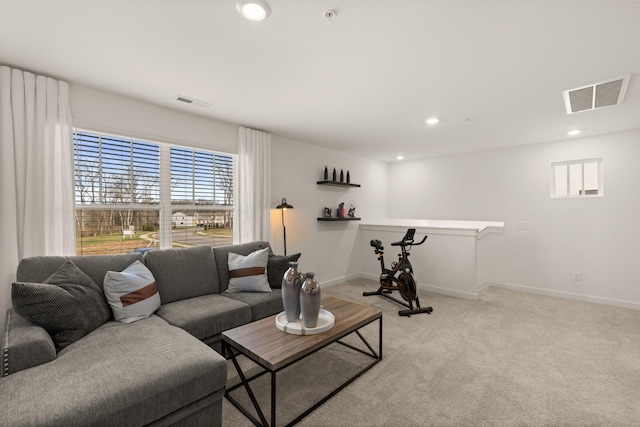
<point x="409" y="242"/>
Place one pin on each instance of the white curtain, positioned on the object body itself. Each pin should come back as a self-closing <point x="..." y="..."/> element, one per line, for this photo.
<point x="254" y="185"/>
<point x="36" y="172"/>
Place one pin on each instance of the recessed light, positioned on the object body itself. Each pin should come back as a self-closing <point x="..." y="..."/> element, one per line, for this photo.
<point x="574" y="132"/>
<point x="401" y="157"/>
<point x="432" y="121"/>
<point x="253" y="10"/>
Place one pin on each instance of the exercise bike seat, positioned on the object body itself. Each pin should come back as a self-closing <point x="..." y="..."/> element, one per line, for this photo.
<point x="377" y="244"/>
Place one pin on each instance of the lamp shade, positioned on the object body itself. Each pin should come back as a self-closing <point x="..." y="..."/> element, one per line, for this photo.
<point x="284" y="205"/>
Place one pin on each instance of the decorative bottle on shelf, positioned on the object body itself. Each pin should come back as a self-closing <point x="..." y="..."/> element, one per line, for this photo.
<point x="341" y="175"/>
<point x="291" y="284"/>
<point x="310" y="301"/>
<point x="348" y="177"/>
<point x="326" y="174"/>
<point x="334" y="174"/>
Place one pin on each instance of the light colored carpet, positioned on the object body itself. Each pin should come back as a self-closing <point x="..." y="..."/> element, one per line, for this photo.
<point x="508" y="359"/>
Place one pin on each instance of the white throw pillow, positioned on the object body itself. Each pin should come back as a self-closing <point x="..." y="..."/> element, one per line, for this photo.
<point x="132" y="293"/>
<point x="249" y="273"/>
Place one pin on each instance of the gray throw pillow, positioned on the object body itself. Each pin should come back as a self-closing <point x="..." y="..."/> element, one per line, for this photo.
<point x="68" y="305"/>
<point x="278" y="265"/>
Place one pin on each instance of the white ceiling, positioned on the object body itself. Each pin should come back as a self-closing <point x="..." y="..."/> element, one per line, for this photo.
<point x="492" y="71"/>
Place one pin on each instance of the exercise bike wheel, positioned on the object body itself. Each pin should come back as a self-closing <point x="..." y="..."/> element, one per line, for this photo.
<point x="408" y="288"/>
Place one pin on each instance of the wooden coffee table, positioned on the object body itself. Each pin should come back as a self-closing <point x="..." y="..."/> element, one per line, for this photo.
<point x="263" y="343"/>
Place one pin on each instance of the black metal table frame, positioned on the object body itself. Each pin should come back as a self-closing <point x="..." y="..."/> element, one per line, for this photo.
<point x="231" y="351"/>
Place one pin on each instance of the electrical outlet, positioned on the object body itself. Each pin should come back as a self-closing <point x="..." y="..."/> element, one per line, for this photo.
<point x="577" y="276"/>
<point x="522" y="225"/>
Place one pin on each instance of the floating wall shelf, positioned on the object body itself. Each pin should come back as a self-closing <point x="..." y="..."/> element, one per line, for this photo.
<point x="337" y="184"/>
<point x="339" y="219"/>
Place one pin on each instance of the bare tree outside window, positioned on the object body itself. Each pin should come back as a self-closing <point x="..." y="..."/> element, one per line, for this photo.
<point x="118" y="195"/>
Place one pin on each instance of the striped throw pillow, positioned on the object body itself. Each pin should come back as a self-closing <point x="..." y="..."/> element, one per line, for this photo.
<point x="132" y="293"/>
<point x="249" y="273"/>
<point x="68" y="304"/>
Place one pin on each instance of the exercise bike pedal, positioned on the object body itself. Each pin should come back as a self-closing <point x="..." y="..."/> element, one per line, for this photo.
<point x="426" y="310"/>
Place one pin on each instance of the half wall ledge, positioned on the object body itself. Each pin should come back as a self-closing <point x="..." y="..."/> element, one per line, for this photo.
<point x="445" y="264"/>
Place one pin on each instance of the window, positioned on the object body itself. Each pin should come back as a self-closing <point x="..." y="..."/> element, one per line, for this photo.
<point x="132" y="195"/>
<point x="577" y="178"/>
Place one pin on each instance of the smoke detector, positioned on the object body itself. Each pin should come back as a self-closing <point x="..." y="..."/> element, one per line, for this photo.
<point x="596" y="95"/>
<point x="192" y="101"/>
<point x="330" y="15"/>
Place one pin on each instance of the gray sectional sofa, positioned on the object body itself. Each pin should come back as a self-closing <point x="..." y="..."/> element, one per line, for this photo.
<point x="157" y="371"/>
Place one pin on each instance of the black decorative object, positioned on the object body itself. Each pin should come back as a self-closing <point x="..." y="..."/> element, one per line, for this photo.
<point x="351" y="209"/>
<point x="341" y="175"/>
<point x="326" y="173"/>
<point x="334" y="174"/>
<point x="327" y="212"/>
<point x="348" y="177"/>
<point x="283" y="207"/>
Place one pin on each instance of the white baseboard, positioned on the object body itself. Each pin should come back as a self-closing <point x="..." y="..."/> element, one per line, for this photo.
<point x="560" y="294"/>
<point x="450" y="292"/>
<point x="333" y="282"/>
<point x="485" y="284"/>
<point x="434" y="289"/>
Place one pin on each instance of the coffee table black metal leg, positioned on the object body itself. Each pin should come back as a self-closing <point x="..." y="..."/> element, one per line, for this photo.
<point x="254" y="401"/>
<point x="273" y="399"/>
<point x="380" y="339"/>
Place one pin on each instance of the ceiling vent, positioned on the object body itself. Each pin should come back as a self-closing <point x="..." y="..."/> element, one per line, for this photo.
<point x="192" y="101"/>
<point x="597" y="95"/>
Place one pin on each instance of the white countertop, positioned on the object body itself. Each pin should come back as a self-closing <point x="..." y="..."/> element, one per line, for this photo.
<point x="476" y="228"/>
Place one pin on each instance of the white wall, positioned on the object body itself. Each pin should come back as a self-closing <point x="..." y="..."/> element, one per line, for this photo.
<point x="96" y="110"/>
<point x="595" y="236"/>
<point x="328" y="248"/>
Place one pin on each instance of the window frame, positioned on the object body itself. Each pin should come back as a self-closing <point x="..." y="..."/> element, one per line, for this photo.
<point x="582" y="193"/>
<point x="164" y="205"/>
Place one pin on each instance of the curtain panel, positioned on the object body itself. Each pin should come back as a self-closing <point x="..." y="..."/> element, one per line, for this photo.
<point x="254" y="185"/>
<point x="36" y="173"/>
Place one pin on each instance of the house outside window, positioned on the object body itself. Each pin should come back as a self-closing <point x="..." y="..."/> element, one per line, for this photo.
<point x="134" y="195"/>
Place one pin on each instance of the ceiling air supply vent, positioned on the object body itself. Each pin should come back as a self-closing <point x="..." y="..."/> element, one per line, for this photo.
<point x="597" y="95"/>
<point x="192" y="101"/>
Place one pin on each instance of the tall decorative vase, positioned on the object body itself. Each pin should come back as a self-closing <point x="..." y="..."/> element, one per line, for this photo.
<point x="326" y="174"/>
<point x="291" y="284"/>
<point x="310" y="301"/>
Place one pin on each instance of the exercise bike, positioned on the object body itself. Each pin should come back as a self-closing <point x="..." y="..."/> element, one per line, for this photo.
<point x="400" y="277"/>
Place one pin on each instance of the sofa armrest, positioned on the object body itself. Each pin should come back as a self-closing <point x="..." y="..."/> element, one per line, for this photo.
<point x="25" y="345"/>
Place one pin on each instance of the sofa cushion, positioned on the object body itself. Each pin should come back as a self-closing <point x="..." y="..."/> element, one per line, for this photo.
<point x="96" y="266"/>
<point x="132" y="293"/>
<point x="262" y="304"/>
<point x="206" y="316"/>
<point x="277" y="266"/>
<point x="37" y="269"/>
<point x="222" y="255"/>
<point x="249" y="273"/>
<point x="183" y="273"/>
<point x="118" y="375"/>
<point x="68" y="304"/>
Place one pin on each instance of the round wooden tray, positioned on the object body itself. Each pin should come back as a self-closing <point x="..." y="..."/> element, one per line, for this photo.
<point x="326" y="320"/>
